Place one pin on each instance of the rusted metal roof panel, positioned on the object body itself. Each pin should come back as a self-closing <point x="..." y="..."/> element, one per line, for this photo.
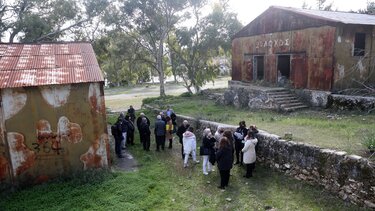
<point x="280" y="19"/>
<point x="334" y="16"/>
<point x="44" y="64"/>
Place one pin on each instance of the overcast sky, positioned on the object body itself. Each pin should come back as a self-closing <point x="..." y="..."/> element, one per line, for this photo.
<point x="247" y="10"/>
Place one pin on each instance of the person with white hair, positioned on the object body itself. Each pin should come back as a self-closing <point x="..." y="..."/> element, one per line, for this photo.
<point x="181" y="130"/>
<point x="190" y="146"/>
<point x="218" y="135"/>
<point x="207" y="149"/>
<point x="159" y="133"/>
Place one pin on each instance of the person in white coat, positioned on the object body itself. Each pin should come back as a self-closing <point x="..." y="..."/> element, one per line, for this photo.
<point x="249" y="156"/>
<point x="190" y="146"/>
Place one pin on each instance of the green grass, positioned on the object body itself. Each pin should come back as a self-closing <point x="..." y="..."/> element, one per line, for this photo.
<point x="341" y="131"/>
<point x="161" y="183"/>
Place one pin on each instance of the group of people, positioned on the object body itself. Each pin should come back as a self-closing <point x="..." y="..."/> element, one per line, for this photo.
<point x="123" y="130"/>
<point x="224" y="147"/>
<point x="221" y="148"/>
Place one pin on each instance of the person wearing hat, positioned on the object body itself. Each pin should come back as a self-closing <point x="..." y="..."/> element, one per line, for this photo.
<point x="249" y="156"/>
<point x="181" y="130"/>
<point x="139" y="121"/>
<point x="159" y="133"/>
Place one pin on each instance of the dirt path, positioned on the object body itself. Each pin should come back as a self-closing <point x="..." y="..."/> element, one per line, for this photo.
<point x="119" y="99"/>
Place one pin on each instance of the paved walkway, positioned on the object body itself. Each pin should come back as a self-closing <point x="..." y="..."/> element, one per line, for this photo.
<point x="128" y="163"/>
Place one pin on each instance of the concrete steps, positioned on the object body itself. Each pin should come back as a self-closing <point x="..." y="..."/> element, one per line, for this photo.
<point x="286" y="100"/>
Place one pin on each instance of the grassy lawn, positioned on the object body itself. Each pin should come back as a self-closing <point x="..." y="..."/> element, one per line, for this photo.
<point x="323" y="128"/>
<point x="161" y="183"/>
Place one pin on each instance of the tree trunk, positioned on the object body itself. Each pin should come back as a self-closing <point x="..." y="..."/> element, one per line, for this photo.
<point x="160" y="67"/>
<point x="197" y="89"/>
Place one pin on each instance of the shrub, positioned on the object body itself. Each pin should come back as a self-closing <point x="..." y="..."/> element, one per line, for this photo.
<point x="186" y="94"/>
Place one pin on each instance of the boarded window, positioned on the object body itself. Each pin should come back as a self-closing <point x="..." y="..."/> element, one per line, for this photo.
<point x="359" y="44"/>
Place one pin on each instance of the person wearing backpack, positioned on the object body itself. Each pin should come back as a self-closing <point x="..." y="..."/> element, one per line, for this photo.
<point x="116" y="133"/>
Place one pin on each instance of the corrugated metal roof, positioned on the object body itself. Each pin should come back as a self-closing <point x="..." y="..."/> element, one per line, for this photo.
<point x="24" y="65"/>
<point x="340" y="17"/>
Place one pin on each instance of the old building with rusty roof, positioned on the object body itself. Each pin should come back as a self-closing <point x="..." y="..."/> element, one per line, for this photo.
<point x="52" y="114"/>
<point x="307" y="49"/>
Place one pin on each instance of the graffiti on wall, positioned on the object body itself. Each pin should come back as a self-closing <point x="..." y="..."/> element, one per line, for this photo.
<point x="272" y="43"/>
<point x="3" y="168"/>
<point x="69" y="131"/>
<point x="49" y="141"/>
<point x="13" y="101"/>
<point x="56" y="96"/>
<point x="22" y="157"/>
<point x="96" y="156"/>
<point x="95" y="98"/>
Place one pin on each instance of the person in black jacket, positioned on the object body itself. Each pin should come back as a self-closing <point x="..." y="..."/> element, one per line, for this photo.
<point x="181" y="130"/>
<point x="239" y="136"/>
<point x="144" y="132"/>
<point x="117" y="134"/>
<point x="159" y="132"/>
<point x="224" y="157"/>
<point x="131" y="113"/>
<point x="139" y="121"/>
<point x="207" y="149"/>
<point x="130" y="133"/>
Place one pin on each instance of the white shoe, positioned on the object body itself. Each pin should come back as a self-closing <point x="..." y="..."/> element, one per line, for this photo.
<point x="186" y="165"/>
<point x="197" y="161"/>
<point x="205" y="173"/>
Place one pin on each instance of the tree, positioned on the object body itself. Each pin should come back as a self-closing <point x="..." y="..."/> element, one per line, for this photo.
<point x="46" y="20"/>
<point x="321" y="5"/>
<point x="121" y="59"/>
<point x="149" y="22"/>
<point x="194" y="49"/>
<point x="370" y="9"/>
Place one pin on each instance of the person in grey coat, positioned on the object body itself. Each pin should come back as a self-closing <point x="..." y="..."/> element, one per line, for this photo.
<point x="159" y="133"/>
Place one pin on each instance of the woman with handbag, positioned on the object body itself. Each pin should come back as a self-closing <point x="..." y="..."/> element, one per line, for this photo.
<point x="206" y="150"/>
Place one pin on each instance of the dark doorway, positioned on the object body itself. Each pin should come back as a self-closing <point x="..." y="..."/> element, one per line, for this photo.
<point x="259" y="67"/>
<point x="283" y="66"/>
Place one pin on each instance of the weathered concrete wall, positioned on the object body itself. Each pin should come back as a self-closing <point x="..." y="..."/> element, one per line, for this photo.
<point x="346" y="102"/>
<point x="351" y="177"/>
<point x="348" y="67"/>
<point x="244" y="95"/>
<point x="53" y="130"/>
<point x="313" y="97"/>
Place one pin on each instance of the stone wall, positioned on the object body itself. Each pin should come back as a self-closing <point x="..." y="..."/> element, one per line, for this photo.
<point x="313" y="98"/>
<point x="351" y="177"/>
<point x="245" y="95"/>
<point x="347" y="102"/>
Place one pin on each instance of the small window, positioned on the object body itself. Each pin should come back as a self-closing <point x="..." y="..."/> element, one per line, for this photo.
<point x="359" y="44"/>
